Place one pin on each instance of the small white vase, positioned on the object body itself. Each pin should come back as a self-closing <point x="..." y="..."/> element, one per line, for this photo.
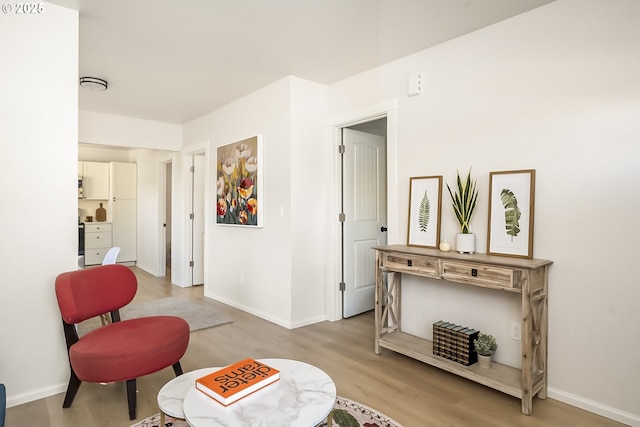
<point x="484" y="361"/>
<point x="466" y="243"/>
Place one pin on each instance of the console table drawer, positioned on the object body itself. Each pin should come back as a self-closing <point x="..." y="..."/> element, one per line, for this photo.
<point x="482" y="275"/>
<point x="416" y="264"/>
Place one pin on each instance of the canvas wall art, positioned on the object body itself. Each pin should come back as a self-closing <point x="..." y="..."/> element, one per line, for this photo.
<point x="239" y="183"/>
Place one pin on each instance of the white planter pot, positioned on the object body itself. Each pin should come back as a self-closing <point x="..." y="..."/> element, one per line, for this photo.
<point x="466" y="243"/>
<point x="484" y="361"/>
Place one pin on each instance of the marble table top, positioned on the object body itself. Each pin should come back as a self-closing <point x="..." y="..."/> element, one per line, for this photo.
<point x="303" y="397"/>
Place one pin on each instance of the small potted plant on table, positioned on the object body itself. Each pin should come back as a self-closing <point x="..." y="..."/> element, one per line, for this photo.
<point x="464" y="205"/>
<point x="485" y="346"/>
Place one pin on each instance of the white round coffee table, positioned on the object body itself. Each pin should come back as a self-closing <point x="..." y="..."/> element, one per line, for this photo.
<point x="303" y="397"/>
<point x="171" y="395"/>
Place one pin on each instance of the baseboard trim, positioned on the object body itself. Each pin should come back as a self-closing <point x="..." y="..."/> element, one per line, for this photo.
<point x="595" y="407"/>
<point x="35" y="395"/>
<point x="265" y="316"/>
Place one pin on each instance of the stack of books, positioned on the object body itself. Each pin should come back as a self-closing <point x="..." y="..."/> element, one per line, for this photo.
<point x="232" y="383"/>
<point x="455" y="342"/>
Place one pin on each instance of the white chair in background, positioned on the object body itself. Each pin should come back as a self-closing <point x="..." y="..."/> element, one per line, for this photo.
<point x="111" y="256"/>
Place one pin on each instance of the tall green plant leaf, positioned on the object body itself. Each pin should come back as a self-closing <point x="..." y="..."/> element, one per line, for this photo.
<point x="464" y="201"/>
<point x="423" y="213"/>
<point x="512" y="213"/>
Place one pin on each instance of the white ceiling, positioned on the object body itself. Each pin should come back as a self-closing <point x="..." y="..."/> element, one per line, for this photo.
<point x="175" y="60"/>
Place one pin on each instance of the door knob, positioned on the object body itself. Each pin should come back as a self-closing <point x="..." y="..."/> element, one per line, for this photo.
<point x="383" y="228"/>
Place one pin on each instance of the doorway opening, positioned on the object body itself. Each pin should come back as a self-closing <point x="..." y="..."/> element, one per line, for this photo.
<point x="166" y="221"/>
<point x="363" y="159"/>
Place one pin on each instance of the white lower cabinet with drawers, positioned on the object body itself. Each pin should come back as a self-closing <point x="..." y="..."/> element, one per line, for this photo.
<point x="97" y="241"/>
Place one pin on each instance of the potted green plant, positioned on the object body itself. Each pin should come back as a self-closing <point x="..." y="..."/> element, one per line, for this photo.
<point x="464" y="205"/>
<point x="485" y="345"/>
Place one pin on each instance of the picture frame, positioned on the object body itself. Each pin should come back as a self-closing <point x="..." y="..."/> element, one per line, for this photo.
<point x="425" y="208"/>
<point x="511" y="213"/>
<point x="239" y="172"/>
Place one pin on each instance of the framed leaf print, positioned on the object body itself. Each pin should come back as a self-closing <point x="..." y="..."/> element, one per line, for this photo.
<point x="425" y="202"/>
<point x="511" y="206"/>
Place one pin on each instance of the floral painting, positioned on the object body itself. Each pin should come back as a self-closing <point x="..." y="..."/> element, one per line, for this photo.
<point x="238" y="170"/>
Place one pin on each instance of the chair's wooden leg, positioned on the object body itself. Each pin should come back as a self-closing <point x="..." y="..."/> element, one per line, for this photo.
<point x="177" y="368"/>
<point x="131" y="398"/>
<point x="72" y="389"/>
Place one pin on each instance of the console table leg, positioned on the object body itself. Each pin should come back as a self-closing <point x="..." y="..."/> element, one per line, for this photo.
<point x="379" y="292"/>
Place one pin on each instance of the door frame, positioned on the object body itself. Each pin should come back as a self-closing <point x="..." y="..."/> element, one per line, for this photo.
<point x="164" y="165"/>
<point x="388" y="109"/>
<point x="197" y="150"/>
<point x="191" y="222"/>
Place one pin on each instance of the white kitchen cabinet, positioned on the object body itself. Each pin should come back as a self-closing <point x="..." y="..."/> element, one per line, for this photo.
<point x="95" y="180"/>
<point x="97" y="241"/>
<point x="123" y="207"/>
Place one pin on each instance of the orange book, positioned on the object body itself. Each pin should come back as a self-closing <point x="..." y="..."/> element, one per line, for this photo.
<point x="232" y="383"/>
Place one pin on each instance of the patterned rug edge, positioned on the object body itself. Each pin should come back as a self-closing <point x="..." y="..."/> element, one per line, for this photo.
<point x="344" y="410"/>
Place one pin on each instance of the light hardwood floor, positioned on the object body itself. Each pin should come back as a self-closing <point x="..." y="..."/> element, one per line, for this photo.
<point x="406" y="390"/>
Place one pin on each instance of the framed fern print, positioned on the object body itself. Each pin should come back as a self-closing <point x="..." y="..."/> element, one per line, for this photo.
<point x="511" y="206"/>
<point x="425" y="201"/>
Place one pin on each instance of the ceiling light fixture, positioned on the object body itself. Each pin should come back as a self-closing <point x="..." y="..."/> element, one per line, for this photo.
<point x="93" y="83"/>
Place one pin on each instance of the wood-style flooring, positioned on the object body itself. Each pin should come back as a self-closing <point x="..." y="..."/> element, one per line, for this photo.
<point x="404" y="389"/>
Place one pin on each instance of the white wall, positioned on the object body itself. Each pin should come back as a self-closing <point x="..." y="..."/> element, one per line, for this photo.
<point x="310" y="175"/>
<point x="38" y="143"/>
<point x="252" y="268"/>
<point x="555" y="90"/>
<point x="120" y="131"/>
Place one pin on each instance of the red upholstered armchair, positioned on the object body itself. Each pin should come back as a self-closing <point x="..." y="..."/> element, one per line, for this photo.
<point x="120" y="351"/>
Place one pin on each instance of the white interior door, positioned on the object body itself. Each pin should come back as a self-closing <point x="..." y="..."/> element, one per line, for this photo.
<point x="365" y="208"/>
<point x="197" y="223"/>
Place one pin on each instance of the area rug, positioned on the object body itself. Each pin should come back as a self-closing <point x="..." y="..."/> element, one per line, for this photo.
<point x="346" y="413"/>
<point x="198" y="316"/>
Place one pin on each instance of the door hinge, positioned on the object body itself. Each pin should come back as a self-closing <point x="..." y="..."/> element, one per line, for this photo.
<point x="342" y="217"/>
<point x="343" y="286"/>
<point x="341" y="149"/>
<point x="191" y="264"/>
<point x="192" y="169"/>
<point x="191" y="216"/>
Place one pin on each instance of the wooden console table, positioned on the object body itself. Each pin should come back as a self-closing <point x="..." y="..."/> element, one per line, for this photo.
<point x="527" y="277"/>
